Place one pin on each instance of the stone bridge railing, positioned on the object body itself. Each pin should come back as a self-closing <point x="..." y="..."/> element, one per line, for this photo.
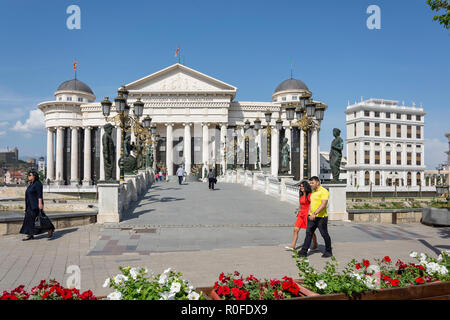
<point x="286" y="189"/>
<point x="114" y="198"/>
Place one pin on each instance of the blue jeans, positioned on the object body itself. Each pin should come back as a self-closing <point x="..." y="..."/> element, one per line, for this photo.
<point x="320" y="223"/>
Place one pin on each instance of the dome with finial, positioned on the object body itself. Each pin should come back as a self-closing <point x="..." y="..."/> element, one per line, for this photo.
<point x="291" y="84"/>
<point x="75" y="85"/>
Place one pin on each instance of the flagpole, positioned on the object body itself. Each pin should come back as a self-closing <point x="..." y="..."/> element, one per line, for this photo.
<point x="179" y="54"/>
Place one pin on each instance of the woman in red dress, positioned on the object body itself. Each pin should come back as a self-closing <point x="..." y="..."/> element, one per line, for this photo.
<point x="302" y="215"/>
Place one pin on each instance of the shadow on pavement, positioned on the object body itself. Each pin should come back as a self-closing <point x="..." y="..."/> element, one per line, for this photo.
<point x="57" y="234"/>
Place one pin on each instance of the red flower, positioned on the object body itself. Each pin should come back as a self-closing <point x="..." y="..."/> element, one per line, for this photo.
<point x="395" y="282"/>
<point x="420" y="280"/>
<point x="387" y="259"/>
<point x="275" y="294"/>
<point x="294" y="289"/>
<point x="366" y="263"/>
<point x="45" y="295"/>
<point x="358" y="266"/>
<point x="221" y="276"/>
<point x="286" y="285"/>
<point x="215" y="285"/>
<point x="274" y="282"/>
<point x="225" y="290"/>
<point x="238" y="282"/>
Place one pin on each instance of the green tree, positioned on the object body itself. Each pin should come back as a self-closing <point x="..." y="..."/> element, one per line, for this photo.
<point x="438" y="5"/>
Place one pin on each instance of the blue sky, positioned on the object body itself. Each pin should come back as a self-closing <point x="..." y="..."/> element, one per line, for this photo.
<point x="248" y="44"/>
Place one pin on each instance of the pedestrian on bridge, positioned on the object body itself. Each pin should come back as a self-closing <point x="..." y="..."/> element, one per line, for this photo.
<point x="302" y="215"/>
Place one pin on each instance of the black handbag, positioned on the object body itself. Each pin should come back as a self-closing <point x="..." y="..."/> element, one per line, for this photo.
<point x="42" y="221"/>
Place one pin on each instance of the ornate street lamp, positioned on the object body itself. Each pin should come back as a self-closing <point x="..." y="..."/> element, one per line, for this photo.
<point x="279" y="124"/>
<point x="290" y="112"/>
<point x="257" y="126"/>
<point x="138" y="108"/>
<point x="268" y="116"/>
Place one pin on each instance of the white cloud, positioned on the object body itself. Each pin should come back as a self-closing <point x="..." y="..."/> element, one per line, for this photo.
<point x="34" y="123"/>
<point x="435" y="152"/>
<point x="4" y="124"/>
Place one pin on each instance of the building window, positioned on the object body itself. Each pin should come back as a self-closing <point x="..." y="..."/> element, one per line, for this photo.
<point x="408" y="146"/>
<point x="356" y="158"/>
<point x="60" y="98"/>
<point x="354" y="130"/>
<point x="366" y="157"/>
<point x="80" y="99"/>
<point x="377" y="178"/>
<point x="388" y="129"/>
<point x="377" y="114"/>
<point x="366" y="128"/>
<point x="377" y="143"/>
<point x="418" y="159"/>
<point x="418" y="146"/>
<point x="399" y="131"/>
<point x="283" y="99"/>
<point x="418" y="179"/>
<point x="408" y="132"/>
<point x="377" y="157"/>
<point x="69" y="98"/>
<point x="367" y="143"/>
<point x="408" y="158"/>
<point x="418" y="118"/>
<point x="399" y="158"/>
<point x="388" y="115"/>
<point x="366" y="113"/>
<point x="388" y="157"/>
<point x="366" y="178"/>
<point x="294" y="97"/>
<point x="408" y="179"/>
<point x="399" y="116"/>
<point x="408" y="117"/>
<point x="418" y="133"/>
<point x="377" y="129"/>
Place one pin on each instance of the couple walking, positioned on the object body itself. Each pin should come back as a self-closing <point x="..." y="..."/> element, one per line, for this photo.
<point x="312" y="215"/>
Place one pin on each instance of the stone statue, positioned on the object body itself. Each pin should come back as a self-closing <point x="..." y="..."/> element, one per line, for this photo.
<point x="129" y="162"/>
<point x="139" y="155"/>
<point x="337" y="145"/>
<point x="109" y="153"/>
<point x="285" y="157"/>
<point x="149" y="157"/>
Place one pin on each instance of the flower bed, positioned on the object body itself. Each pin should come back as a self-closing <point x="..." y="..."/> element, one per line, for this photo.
<point x="233" y="286"/>
<point x="382" y="280"/>
<point x="51" y="290"/>
<point x="134" y="284"/>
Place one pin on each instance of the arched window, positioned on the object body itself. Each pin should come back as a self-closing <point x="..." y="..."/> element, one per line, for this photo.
<point x="366" y="178"/>
<point x="408" y="179"/>
<point x="377" y="178"/>
<point x="418" y="180"/>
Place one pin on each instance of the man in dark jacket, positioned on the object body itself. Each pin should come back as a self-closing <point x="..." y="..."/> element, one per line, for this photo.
<point x="212" y="178"/>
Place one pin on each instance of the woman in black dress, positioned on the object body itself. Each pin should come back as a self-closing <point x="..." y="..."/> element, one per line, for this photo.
<point x="33" y="203"/>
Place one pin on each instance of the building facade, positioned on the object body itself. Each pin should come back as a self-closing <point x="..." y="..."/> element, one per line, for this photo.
<point x="385" y="145"/>
<point x="198" y="124"/>
<point x="9" y="156"/>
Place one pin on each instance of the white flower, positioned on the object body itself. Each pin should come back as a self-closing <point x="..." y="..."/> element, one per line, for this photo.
<point x="373" y="269"/>
<point x="193" y="296"/>
<point x="413" y="254"/>
<point x="175" y="287"/>
<point x="423" y="258"/>
<point x="134" y="273"/>
<point x="356" y="275"/>
<point x="321" y="284"/>
<point x="120" y="278"/>
<point x="114" y="296"/>
<point x="443" y="270"/>
<point x="106" y="284"/>
<point x="167" y="271"/>
<point x="370" y="282"/>
<point x="138" y="290"/>
<point x="167" y="296"/>
<point x="439" y="258"/>
<point x="162" y="279"/>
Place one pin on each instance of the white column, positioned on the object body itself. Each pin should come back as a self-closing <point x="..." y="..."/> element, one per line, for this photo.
<point x="118" y="150"/>
<point x="287" y="134"/>
<point x="169" y="149"/>
<point x="50" y="163"/>
<point x="213" y="147"/>
<point x="383" y="155"/>
<point x="102" y="161"/>
<point x="187" y="148"/>
<point x="205" y="146"/>
<point x="413" y="178"/>
<point x="74" y="157"/>
<point x="223" y="134"/>
<point x="413" y="156"/>
<point x="275" y="152"/>
<point x="87" y="156"/>
<point x="314" y="153"/>
<point x="59" y="154"/>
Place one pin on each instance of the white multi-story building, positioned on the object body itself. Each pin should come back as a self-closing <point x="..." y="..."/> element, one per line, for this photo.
<point x="385" y="145"/>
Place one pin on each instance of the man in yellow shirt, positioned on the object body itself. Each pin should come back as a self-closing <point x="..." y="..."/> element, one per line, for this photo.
<point x="318" y="218"/>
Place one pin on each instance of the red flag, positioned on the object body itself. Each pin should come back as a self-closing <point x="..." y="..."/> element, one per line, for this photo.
<point x="75" y="65"/>
<point x="176" y="52"/>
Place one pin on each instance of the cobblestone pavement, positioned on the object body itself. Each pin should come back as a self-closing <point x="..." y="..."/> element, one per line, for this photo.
<point x="200" y="233"/>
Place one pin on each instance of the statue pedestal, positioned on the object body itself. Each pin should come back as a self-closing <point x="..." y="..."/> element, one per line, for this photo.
<point x="337" y="201"/>
<point x="108" y="202"/>
<point x="283" y="190"/>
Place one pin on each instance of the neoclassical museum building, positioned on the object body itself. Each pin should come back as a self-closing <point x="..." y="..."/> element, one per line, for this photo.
<point x="198" y="124"/>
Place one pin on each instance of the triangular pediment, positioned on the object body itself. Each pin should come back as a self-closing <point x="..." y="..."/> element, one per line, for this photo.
<point x="179" y="78"/>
